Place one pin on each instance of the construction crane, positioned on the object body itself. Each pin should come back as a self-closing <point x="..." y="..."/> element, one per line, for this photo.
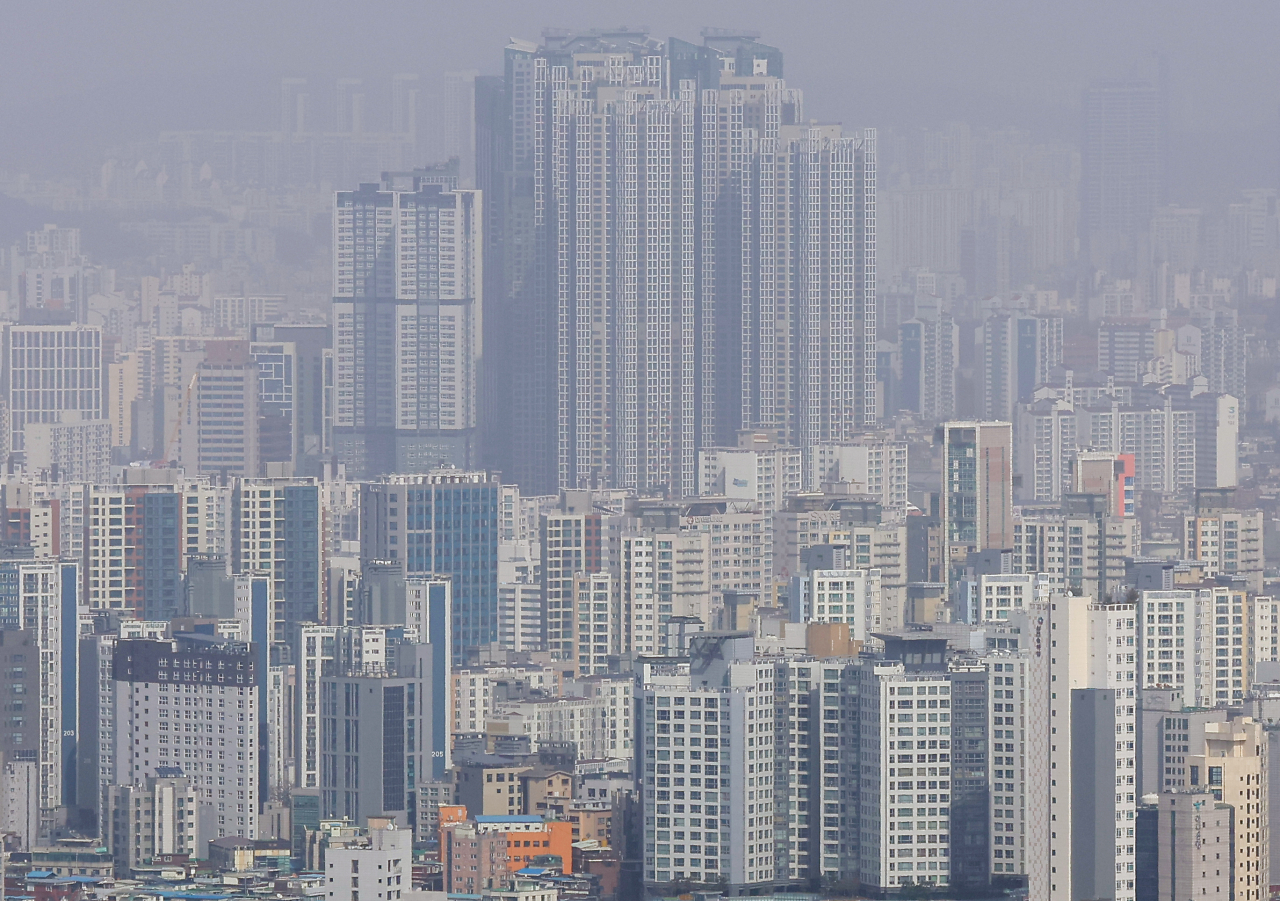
<point x="177" y="425"/>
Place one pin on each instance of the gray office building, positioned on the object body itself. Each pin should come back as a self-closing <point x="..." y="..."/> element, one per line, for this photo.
<point x="1122" y="162"/>
<point x="375" y="735"/>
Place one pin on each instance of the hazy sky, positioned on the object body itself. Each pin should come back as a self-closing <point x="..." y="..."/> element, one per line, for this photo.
<point x="81" y="76"/>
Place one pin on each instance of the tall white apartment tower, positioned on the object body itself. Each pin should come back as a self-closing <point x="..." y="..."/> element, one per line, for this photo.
<point x="31" y="604"/>
<point x="407" y="292"/>
<point x="701" y="263"/>
<point x="664" y="574"/>
<point x="315" y="651"/>
<point x="905" y="826"/>
<point x="876" y="463"/>
<point x="709" y="790"/>
<point x="1081" y="776"/>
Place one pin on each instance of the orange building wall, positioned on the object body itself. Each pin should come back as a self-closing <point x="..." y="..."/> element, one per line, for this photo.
<point x="556" y="838"/>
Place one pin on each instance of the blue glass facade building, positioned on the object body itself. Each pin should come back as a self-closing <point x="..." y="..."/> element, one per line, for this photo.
<point x="444" y="523"/>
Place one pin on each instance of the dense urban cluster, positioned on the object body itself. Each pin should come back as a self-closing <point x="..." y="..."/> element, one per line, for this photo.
<point x="619" y="530"/>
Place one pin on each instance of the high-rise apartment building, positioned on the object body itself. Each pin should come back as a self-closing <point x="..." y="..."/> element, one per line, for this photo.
<point x="1001" y="595"/>
<point x="312" y="349"/>
<point x="741" y="549"/>
<point x="315" y="652"/>
<point x="33" y="597"/>
<point x="977" y="488"/>
<point x="219" y="431"/>
<point x="153" y="818"/>
<point x="1264" y="633"/>
<point x="758" y="470"/>
<point x="1223" y="350"/>
<point x="1125" y="346"/>
<point x="1180" y="835"/>
<point x="595" y="714"/>
<point x="71" y="450"/>
<point x="872" y="464"/>
<point x="849" y="596"/>
<point x="421" y="609"/>
<point x="476" y="690"/>
<point x="50" y="280"/>
<point x="818" y="695"/>
<point x="810" y="520"/>
<point x="521" y="619"/>
<point x="276" y="531"/>
<point x="1083" y="681"/>
<point x="664" y="574"/>
<point x="407" y="291"/>
<point x="1212" y="810"/>
<point x="134" y="561"/>
<point x="901" y="845"/>
<point x="1232" y="766"/>
<point x="1198" y="640"/>
<point x="570" y="548"/>
<point x="279" y="415"/>
<point x="1006" y="697"/>
<point x="670" y="234"/>
<point x="1227" y="542"/>
<point x="929" y="353"/>
<point x="715" y="822"/>
<point x="1108" y="474"/>
<point x="940" y="769"/>
<point x="141" y="534"/>
<point x="597" y="624"/>
<point x="1018" y="353"/>
<point x="1217" y="418"/>
<point x="1077" y="550"/>
<point x="1044" y="446"/>
<point x="49" y="371"/>
<point x="1162" y="441"/>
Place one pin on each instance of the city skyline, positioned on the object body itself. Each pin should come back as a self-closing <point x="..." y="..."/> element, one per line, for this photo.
<point x="1010" y="77"/>
<point x="632" y="463"/>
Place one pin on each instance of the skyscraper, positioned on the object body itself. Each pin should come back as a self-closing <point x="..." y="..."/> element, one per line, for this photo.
<point x="380" y="746"/>
<point x="276" y="531"/>
<point x="33" y="597"/>
<point x="443" y="524"/>
<point x="1122" y="162"/>
<point x="137" y="571"/>
<point x="682" y="259"/>
<point x="1083" y="680"/>
<point x="930" y="354"/>
<point x="977" y="488"/>
<point x="1019" y="353"/>
<point x="219" y="431"/>
<point x="407" y="344"/>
